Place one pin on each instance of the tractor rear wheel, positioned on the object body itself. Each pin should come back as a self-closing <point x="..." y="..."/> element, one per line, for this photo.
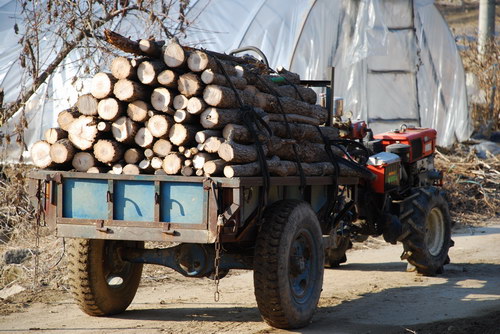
<point x="100" y="281"/>
<point x="288" y="264"/>
<point x="428" y="224"/>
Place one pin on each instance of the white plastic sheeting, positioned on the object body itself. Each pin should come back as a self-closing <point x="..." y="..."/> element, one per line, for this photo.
<point x="396" y="61"/>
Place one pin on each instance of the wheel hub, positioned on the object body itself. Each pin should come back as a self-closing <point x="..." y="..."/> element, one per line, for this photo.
<point x="302" y="267"/>
<point x="434" y="231"/>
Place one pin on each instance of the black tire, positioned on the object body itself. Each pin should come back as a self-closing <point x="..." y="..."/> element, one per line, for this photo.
<point x="427" y="222"/>
<point x="334" y="256"/>
<point x="288" y="264"/>
<point x="100" y="282"/>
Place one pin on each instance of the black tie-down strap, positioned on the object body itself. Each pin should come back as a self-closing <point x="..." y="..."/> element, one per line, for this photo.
<point x="253" y="123"/>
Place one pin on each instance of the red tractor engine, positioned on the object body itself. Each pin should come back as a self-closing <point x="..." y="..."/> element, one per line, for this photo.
<point x="404" y="159"/>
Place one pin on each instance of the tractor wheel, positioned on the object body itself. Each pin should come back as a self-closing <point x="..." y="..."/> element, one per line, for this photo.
<point x="288" y="264"/>
<point x="336" y="254"/>
<point x="427" y="222"/>
<point x="100" y="281"/>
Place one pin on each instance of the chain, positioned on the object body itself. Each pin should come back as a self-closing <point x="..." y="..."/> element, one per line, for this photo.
<point x="220" y="223"/>
<point x="38" y="218"/>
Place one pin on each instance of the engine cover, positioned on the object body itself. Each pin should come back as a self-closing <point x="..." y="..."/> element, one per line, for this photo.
<point x="422" y="141"/>
<point x="386" y="167"/>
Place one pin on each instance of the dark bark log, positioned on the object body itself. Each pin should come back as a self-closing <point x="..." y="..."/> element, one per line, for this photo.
<point x="224" y="97"/>
<point x="82" y="161"/>
<point x="203" y="135"/>
<point x="238" y="153"/>
<point x="210" y="77"/>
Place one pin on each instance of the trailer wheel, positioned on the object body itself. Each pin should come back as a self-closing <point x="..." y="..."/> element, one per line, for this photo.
<point x="100" y="281"/>
<point x="427" y="219"/>
<point x="288" y="264"/>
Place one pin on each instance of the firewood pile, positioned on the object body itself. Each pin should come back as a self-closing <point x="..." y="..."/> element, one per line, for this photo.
<point x="177" y="110"/>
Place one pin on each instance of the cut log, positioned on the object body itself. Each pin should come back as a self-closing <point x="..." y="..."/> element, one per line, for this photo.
<point x="156" y="162"/>
<point x="174" y="55"/>
<point x="102" y="85"/>
<point x="210" y="77"/>
<point x="144" y="138"/>
<point x="238" y="153"/>
<point x="128" y="91"/>
<point x="122" y="68"/>
<point x="145" y="166"/>
<point x="203" y="135"/>
<point x="117" y="169"/>
<point x="151" y="47"/>
<point x="40" y="154"/>
<point x="148" y="71"/>
<point x="288" y="105"/>
<point x="159" y="125"/>
<point x="199" y="61"/>
<point x="189" y="84"/>
<point x="138" y="111"/>
<point x="214" y="167"/>
<point x="162" y="99"/>
<point x="218" y="118"/>
<point x="180" y="102"/>
<point x="149" y="153"/>
<point x="131" y="169"/>
<point x="187" y="171"/>
<point x="196" y="105"/>
<point x="182" y="116"/>
<point x="298" y="92"/>
<point x="224" y="97"/>
<point x="104" y="126"/>
<point x="133" y="155"/>
<point x="87" y="104"/>
<point x="212" y="144"/>
<point x="162" y="147"/>
<point x="82" y="161"/>
<point x="188" y="154"/>
<point x="62" y="151"/>
<point x="183" y="134"/>
<point x="160" y="172"/>
<point x="173" y="163"/>
<point x="83" y="132"/>
<point x="123" y="43"/>
<point x="251" y="169"/>
<point x="97" y="170"/>
<point x="307" y="152"/>
<point x="201" y="158"/>
<point x="290" y="77"/>
<point x="107" y="151"/>
<point x="66" y="117"/>
<point x="168" y="78"/>
<point x="292" y="118"/>
<point x="110" y="109"/>
<point x="199" y="172"/>
<point x="188" y="162"/>
<point x="299" y="132"/>
<point x="54" y="134"/>
<point x="124" y="130"/>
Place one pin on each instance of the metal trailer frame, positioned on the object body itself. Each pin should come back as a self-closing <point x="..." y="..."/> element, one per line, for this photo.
<point x="107" y="201"/>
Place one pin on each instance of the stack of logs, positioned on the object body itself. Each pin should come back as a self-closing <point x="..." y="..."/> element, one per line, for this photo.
<point x="176" y="110"/>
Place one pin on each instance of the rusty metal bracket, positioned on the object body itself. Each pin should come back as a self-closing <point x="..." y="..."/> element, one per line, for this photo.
<point x="166" y="229"/>
<point x="99" y="226"/>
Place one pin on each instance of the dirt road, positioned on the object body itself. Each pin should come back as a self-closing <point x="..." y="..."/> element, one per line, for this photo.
<point x="372" y="293"/>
